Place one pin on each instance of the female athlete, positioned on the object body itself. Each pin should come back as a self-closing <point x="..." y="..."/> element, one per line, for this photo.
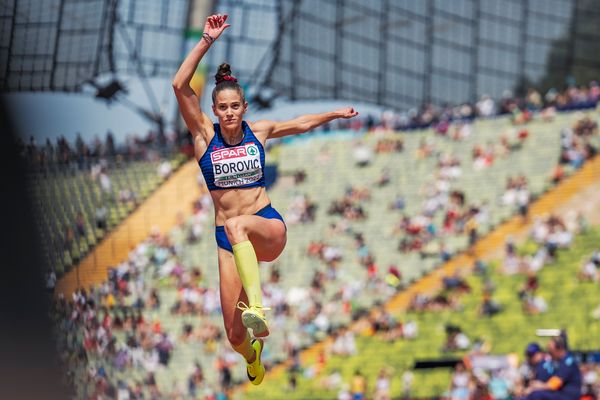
<point x="231" y="156"/>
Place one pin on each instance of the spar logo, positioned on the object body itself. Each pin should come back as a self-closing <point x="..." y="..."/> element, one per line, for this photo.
<point x="249" y="149"/>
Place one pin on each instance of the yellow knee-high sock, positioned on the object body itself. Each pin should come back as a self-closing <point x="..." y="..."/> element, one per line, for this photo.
<point x="247" y="267"/>
<point x="245" y="348"/>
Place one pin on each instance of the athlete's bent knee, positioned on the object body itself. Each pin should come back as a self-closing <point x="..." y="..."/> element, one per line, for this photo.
<point x="235" y="229"/>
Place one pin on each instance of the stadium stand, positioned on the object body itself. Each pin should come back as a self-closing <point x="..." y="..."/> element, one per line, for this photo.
<point x="158" y="313"/>
<point x="81" y="196"/>
<point x="425" y="244"/>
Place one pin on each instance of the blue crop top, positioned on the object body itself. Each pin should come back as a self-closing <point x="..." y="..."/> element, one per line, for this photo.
<point x="239" y="166"/>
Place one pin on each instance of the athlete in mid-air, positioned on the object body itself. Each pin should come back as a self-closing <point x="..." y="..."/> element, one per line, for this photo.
<point x="231" y="154"/>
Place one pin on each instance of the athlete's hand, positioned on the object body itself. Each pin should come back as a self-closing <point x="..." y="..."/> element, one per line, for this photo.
<point x="347" y="112"/>
<point x="215" y="25"/>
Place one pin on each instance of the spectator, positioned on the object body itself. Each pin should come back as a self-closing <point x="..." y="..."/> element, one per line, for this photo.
<point x="410" y="330"/>
<point x="343" y="343"/>
<point x="459" y="383"/>
<point x="362" y="154"/>
<point x="50" y="281"/>
<point x="489" y="307"/>
<point x="69" y="236"/>
<point x="499" y="386"/>
<point x="399" y="203"/>
<point x="333" y="381"/>
<point x="565" y="382"/>
<point x="537" y="367"/>
<point x="384" y="178"/>
<point x="534" y="304"/>
<point x="382" y="385"/>
<point x="223" y="366"/>
<point x="407" y="382"/>
<point x="485" y="106"/>
<point x="590" y="269"/>
<point x="344" y="393"/>
<point x="165" y="169"/>
<point x="195" y="379"/>
<point x="80" y="225"/>
<point x="358" y="386"/>
<point x="105" y="182"/>
<point x="455" y="339"/>
<point x="100" y="215"/>
<point x="591" y="382"/>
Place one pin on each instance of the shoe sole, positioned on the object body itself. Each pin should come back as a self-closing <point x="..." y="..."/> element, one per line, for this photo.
<point x="258" y="325"/>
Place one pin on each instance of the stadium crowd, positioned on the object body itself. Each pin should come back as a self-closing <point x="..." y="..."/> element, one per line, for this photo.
<point x="520" y="108"/>
<point x="81" y="154"/>
<point x="113" y="328"/>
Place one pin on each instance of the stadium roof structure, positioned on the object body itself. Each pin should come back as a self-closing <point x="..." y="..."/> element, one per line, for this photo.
<point x="61" y="45"/>
<point x="403" y="53"/>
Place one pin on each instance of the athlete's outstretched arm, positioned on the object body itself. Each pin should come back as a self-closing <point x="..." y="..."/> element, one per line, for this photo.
<point x="189" y="105"/>
<point x="303" y="123"/>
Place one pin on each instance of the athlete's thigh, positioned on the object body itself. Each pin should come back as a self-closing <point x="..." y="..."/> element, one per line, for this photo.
<point x="268" y="236"/>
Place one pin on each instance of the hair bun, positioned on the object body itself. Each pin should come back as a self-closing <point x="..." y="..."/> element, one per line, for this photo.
<point x="224" y="74"/>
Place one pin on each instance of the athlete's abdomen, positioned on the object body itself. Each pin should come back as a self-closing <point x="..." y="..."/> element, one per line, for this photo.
<point x="233" y="202"/>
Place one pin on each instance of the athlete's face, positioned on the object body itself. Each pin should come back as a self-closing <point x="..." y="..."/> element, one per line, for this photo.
<point x="230" y="108"/>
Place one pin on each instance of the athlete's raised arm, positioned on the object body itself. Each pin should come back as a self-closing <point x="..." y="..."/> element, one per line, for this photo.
<point x="302" y="124"/>
<point x="189" y="105"/>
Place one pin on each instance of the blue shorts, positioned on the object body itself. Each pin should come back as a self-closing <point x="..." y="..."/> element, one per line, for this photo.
<point x="267" y="212"/>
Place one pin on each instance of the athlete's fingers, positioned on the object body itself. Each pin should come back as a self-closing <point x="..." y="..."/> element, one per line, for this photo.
<point x="351" y="112"/>
<point x="222" y="24"/>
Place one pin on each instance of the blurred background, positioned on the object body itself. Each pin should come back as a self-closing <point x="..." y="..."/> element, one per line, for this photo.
<point x="431" y="240"/>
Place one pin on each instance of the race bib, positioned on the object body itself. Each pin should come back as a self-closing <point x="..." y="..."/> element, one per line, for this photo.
<point x="236" y="166"/>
